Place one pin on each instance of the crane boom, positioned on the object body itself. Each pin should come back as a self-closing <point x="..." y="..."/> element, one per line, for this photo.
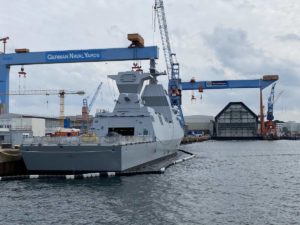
<point x="94" y="97"/>
<point x="174" y="85"/>
<point x="86" y="108"/>
<point x="163" y="28"/>
<point x="170" y="57"/>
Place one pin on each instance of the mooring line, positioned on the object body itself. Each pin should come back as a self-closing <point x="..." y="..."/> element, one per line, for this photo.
<point x="186" y="152"/>
<point x="179" y="160"/>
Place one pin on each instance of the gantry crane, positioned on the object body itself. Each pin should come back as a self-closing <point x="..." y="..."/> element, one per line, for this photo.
<point x="60" y="93"/>
<point x="86" y="108"/>
<point x="24" y="57"/>
<point x="176" y="86"/>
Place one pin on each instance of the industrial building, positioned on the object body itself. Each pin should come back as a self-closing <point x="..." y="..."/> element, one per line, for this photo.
<point x="199" y="123"/>
<point x="15" y="127"/>
<point x="288" y="130"/>
<point x="236" y="121"/>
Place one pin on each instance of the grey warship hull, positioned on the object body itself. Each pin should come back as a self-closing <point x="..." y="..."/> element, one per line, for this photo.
<point x="95" y="158"/>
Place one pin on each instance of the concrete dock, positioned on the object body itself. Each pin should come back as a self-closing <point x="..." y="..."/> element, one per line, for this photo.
<point x="11" y="162"/>
<point x="192" y="139"/>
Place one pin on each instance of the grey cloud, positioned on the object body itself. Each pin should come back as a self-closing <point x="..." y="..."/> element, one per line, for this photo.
<point x="232" y="48"/>
<point x="289" y="37"/>
<point x="241" y="4"/>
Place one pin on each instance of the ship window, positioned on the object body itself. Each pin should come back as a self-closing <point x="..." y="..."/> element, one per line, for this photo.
<point x="124" y="131"/>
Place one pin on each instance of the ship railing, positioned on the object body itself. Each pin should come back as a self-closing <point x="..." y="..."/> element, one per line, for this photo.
<point x="82" y="140"/>
<point x="125" y="140"/>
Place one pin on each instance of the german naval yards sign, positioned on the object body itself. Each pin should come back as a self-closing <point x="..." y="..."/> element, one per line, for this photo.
<point x="73" y="56"/>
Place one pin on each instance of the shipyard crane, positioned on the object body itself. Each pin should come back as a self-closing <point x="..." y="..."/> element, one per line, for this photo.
<point x="170" y="58"/>
<point x="176" y="86"/>
<point x="86" y="108"/>
<point x="60" y="93"/>
<point x="269" y="131"/>
<point x="89" y="106"/>
<point x="25" y="57"/>
<point x="163" y="28"/>
<point x="270" y="115"/>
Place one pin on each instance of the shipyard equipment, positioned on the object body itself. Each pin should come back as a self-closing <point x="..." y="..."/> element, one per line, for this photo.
<point x="262" y="83"/>
<point x="171" y="62"/>
<point x="269" y="131"/>
<point x="60" y="93"/>
<point x="176" y="86"/>
<point x="270" y="115"/>
<point x="25" y="57"/>
<point x="86" y="108"/>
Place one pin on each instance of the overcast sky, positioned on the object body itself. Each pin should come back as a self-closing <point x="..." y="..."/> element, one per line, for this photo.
<point x="213" y="40"/>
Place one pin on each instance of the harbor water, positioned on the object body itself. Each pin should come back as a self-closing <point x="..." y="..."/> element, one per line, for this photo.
<point x="229" y="182"/>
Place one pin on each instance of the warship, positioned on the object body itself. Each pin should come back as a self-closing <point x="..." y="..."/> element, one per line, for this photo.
<point x="142" y="128"/>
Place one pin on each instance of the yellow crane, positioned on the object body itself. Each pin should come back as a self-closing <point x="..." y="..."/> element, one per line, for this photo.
<point x="60" y="93"/>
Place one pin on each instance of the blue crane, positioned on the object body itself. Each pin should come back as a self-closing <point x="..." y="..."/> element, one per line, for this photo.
<point x="86" y="109"/>
<point x="175" y="85"/>
<point x="89" y="106"/>
<point x="262" y="83"/>
<point x="24" y="57"/>
<point x="270" y="115"/>
<point x="269" y="127"/>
